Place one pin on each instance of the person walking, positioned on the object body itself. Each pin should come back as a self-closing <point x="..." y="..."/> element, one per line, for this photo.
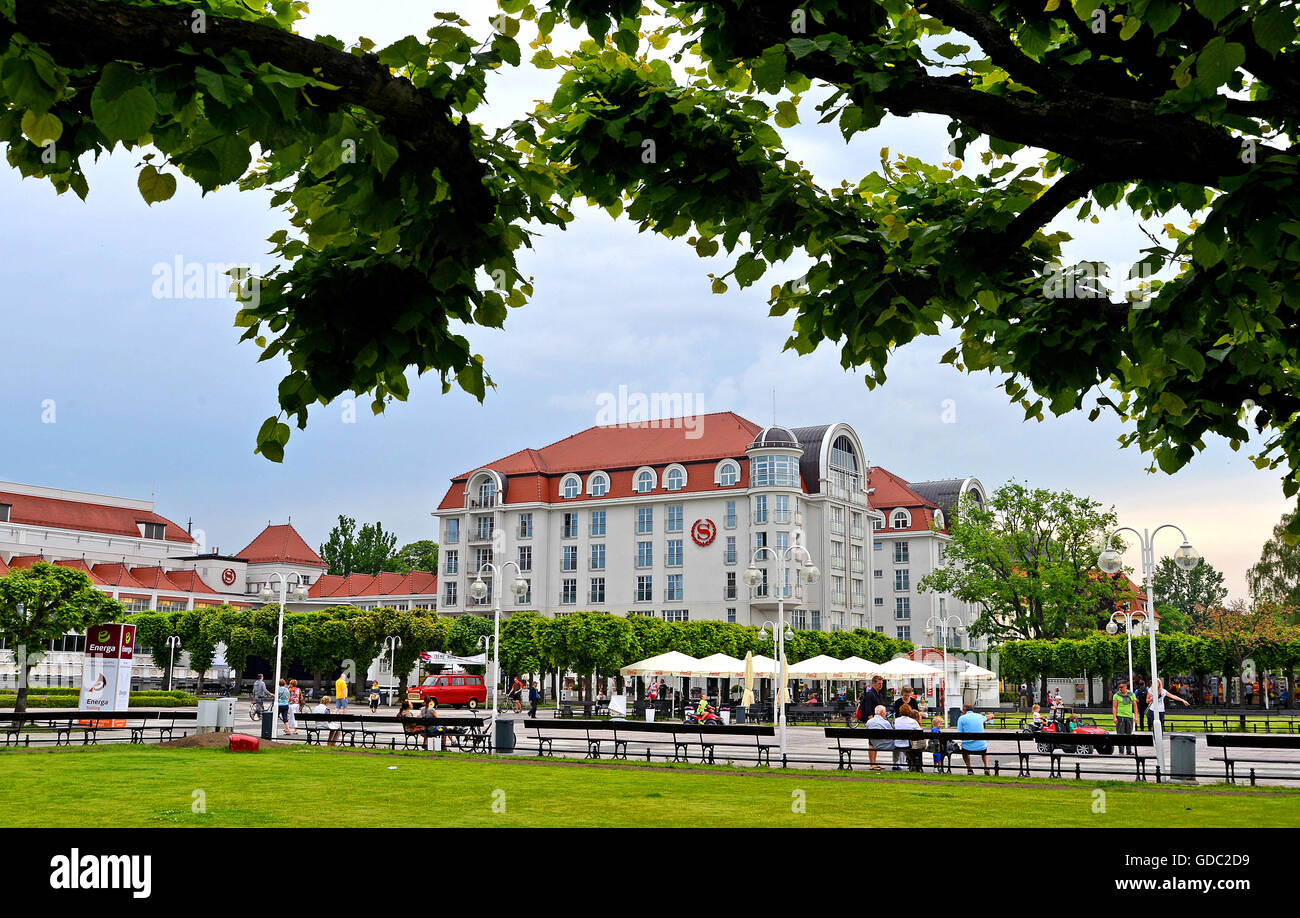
<point x="374" y="697"/>
<point x="1121" y="708"/>
<point x="1143" y="697"/>
<point x="341" y="693"/>
<point x="282" y="703"/>
<point x="534" y="696"/>
<point x="910" y="747"/>
<point x="517" y="694"/>
<point x="295" y="705"/>
<point x="872" y="698"/>
<point x="878" y="721"/>
<point x="1157" y="709"/>
<point x="906" y="699"/>
<point x="972" y="722"/>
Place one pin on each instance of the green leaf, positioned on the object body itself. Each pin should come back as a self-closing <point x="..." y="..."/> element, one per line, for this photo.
<point x="1217" y="61"/>
<point x="1214" y="10"/>
<point x="786" y="114"/>
<point x="123" y="106"/>
<point x="42" y="129"/>
<point x="950" y="50"/>
<point x="156" y="186"/>
<point x="1274" y="28"/>
<point x="23" y="85"/>
<point x="1131" y="26"/>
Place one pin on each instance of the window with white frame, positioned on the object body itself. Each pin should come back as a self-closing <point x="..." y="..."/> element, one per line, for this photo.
<point x="731" y="616"/>
<point x="781" y="508"/>
<point x="773" y="471"/>
<point x="525" y="525"/>
<point x="645" y="588"/>
<point x="451" y="562"/>
<point x="487" y="492"/>
<point x="675" y="479"/>
<point x="597" y="523"/>
<point x="483" y="526"/>
<point x="859" y="593"/>
<point x="902" y="580"/>
<point x="676" y="615"/>
<point x="571" y="486"/>
<point x="645" y="481"/>
<point x="729" y="555"/>
<point x="645" y="554"/>
<point x="449" y="593"/>
<point x="904" y="632"/>
<point x="525" y="559"/>
<point x="453" y="531"/>
<point x="760" y="508"/>
<point x="153" y="530"/>
<point x="569" y="558"/>
<point x="569" y="590"/>
<point x="674" y="553"/>
<point x="781" y="540"/>
<point x="598" y="556"/>
<point x="728" y="474"/>
<point x="673" y="591"/>
<point x="729" y="590"/>
<point x="597" y="592"/>
<point x="902" y="607"/>
<point x="674" y="523"/>
<point x="729" y="519"/>
<point x="901" y="553"/>
<point x="599" y="484"/>
<point x="878" y="601"/>
<point x="645" y="520"/>
<point x="569" y="530"/>
<point x="901" y="519"/>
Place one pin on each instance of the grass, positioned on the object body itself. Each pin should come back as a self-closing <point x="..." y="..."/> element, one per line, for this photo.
<point x="298" y="786"/>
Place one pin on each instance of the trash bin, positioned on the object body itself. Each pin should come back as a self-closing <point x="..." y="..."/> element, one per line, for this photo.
<point x="267" y="722"/>
<point x="649" y="714"/>
<point x="725" y="714"/>
<point x="1182" y="756"/>
<point x="505" y="737"/>
<point x="739" y="715"/>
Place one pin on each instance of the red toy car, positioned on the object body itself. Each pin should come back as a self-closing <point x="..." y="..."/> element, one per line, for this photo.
<point x="1082" y="725"/>
<point x="454" y="689"/>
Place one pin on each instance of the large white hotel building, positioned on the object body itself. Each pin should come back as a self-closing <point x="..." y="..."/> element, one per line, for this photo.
<point x="662" y="519"/>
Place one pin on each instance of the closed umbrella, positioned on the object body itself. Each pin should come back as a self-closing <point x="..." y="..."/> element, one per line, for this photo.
<point x="748" y="697"/>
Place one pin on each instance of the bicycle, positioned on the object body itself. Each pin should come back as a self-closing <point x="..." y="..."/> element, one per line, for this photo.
<point x="257" y="709"/>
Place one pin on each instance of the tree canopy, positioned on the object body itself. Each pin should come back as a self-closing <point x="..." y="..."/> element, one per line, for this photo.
<point x="670" y="114"/>
<point x="1276" y="575"/>
<point x="349" y="551"/>
<point x="1029" y="558"/>
<point x="1182" y="597"/>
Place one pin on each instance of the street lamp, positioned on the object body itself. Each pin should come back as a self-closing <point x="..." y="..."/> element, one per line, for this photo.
<point x="1131" y="629"/>
<point x="173" y="641"/>
<point x="391" y="644"/>
<point x="479" y="590"/>
<point x="267" y="594"/>
<point x="1186" y="558"/>
<point x="809" y="574"/>
<point x="945" y="623"/>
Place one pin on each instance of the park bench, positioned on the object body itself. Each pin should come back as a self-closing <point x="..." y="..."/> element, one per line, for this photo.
<point x="682" y="738"/>
<point x="849" y="740"/>
<point x="1243" y="747"/>
<point x="1051" y="745"/>
<point x="740" y="736"/>
<point x="164" y="724"/>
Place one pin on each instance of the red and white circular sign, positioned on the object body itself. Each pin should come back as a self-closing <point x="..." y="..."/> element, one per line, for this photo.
<point x="228" y="576"/>
<point x="704" y="532"/>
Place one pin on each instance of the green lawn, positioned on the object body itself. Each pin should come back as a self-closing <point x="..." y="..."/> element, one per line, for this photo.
<point x="152" y="786"/>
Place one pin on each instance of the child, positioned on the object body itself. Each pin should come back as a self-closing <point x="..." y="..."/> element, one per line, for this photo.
<point x="936" y="744"/>
<point x="374" y="697"/>
<point x="1038" y="716"/>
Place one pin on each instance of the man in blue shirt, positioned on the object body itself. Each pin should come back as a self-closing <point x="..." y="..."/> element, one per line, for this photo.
<point x="971" y="722"/>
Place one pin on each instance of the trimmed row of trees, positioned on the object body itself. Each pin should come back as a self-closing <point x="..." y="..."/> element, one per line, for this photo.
<point x="584" y="642"/>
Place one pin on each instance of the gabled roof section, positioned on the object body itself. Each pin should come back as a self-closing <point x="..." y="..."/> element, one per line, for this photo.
<point x="83" y="567"/>
<point x="281" y="543"/>
<point x="189" y="582"/>
<point x="892" y="493"/>
<point x="117" y="575"/>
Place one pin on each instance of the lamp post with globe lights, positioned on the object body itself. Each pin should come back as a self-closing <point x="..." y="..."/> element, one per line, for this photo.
<point x="1131" y="630"/>
<point x="1186" y="558"/>
<point x="267" y="595"/>
<point x="809" y="574"/>
<point x="945" y="625"/>
<point x="479" y="590"/>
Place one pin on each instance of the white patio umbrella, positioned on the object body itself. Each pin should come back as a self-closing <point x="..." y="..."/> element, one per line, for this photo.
<point x="904" y="668"/>
<point x="672" y="663"/>
<point x="748" y="697"/>
<point x="719" y="666"/>
<point x="820" y="667"/>
<point x="977" y="672"/>
<point x="858" y="668"/>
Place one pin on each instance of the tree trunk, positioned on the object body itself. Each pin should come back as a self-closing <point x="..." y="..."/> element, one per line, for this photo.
<point x="198" y="690"/>
<point x="20" y="703"/>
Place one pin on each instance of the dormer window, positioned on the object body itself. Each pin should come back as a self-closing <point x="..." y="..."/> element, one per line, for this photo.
<point x="728" y="473"/>
<point x="901" y="519"/>
<point x="675" y="478"/>
<point x="4" y="512"/>
<point x="571" y="487"/>
<point x="645" y="481"/>
<point x="598" y="484"/>
<point x="153" y="530"/>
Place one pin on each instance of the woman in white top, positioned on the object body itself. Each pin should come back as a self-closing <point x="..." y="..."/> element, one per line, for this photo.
<point x="905" y="721"/>
<point x="1157" y="709"/>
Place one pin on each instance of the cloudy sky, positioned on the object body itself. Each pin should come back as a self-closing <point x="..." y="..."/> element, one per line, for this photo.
<point x="155" y="396"/>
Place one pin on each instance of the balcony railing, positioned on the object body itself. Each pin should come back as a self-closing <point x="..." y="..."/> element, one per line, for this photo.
<point x="838" y="598"/>
<point x="476" y="504"/>
<point x="729" y="557"/>
<point x="837" y="562"/>
<point x="858" y="566"/>
<point x="480" y="535"/>
<point x="837" y="527"/>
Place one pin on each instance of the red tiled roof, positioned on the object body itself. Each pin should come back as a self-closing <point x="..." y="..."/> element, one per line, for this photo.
<point x="155" y="578"/>
<point x="281" y="543"/>
<point x="4" y="567"/>
<point x="117" y="575"/>
<point x="88" y="517"/>
<point x="893" y="493"/>
<point x="84" y="568"/>
<point x="189" y="582"/>
<point x="331" y="586"/>
<point x="25" y="561"/>
<point x="536" y="474"/>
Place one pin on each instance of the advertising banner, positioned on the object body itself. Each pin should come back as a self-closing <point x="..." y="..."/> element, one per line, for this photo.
<point x="106" y="671"/>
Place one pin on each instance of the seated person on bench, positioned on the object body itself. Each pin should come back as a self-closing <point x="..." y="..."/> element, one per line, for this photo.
<point x="408" y="714"/>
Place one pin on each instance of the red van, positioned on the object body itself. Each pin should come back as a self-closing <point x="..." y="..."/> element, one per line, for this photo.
<point x="454" y="689"/>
